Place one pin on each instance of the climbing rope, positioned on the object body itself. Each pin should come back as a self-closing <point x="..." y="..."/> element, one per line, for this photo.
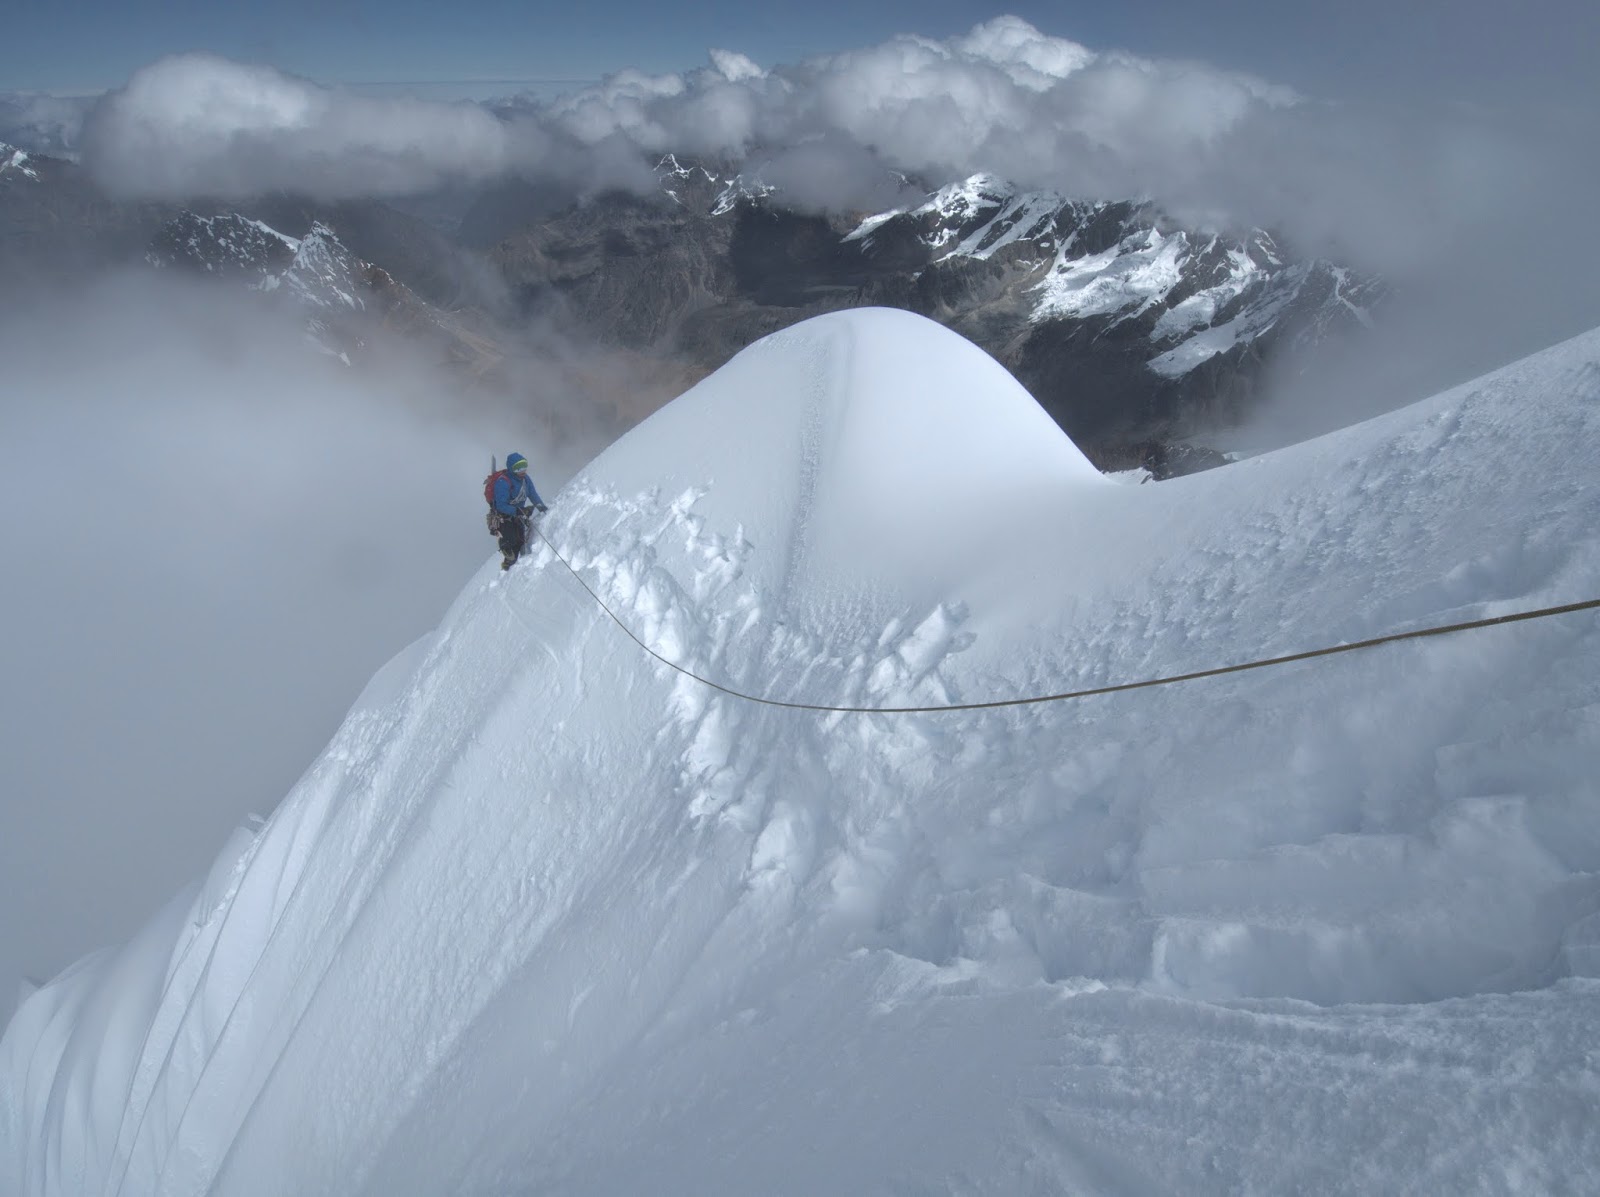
<point x="1331" y="650"/>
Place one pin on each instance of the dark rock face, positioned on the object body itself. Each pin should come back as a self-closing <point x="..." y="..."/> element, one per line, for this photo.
<point x="227" y="246"/>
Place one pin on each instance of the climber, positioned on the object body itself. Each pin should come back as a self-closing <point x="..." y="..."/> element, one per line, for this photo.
<point x="512" y="499"/>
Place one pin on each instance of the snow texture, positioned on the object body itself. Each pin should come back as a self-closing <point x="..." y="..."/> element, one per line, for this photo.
<point x="549" y="917"/>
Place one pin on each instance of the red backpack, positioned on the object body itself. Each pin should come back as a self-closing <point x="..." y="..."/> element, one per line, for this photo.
<point x="488" y="485"/>
<point x="493" y="518"/>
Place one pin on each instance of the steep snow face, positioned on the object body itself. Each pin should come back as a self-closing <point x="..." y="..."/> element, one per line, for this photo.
<point x="1131" y="276"/>
<point x="979" y="216"/>
<point x="1200" y="336"/>
<point x="548" y="916"/>
<point x="323" y="274"/>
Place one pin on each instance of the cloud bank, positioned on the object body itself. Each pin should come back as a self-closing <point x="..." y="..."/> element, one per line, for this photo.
<point x="197" y="124"/>
<point x="1004" y="98"/>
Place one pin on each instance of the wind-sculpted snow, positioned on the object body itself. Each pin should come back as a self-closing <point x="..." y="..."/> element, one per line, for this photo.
<point x="550" y="917"/>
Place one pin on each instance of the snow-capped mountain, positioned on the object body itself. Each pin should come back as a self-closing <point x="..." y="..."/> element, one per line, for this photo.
<point x="61" y="226"/>
<point x="1196" y="296"/>
<point x="551" y="914"/>
<point x="317" y="269"/>
<point x="337" y="290"/>
<point x="1129" y="328"/>
<point x="687" y="184"/>
<point x="1134" y="332"/>
<point x="15" y="162"/>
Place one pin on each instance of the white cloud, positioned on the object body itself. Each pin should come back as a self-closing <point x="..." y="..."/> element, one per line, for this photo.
<point x="1032" y="59"/>
<point x="1003" y="97"/>
<point x="734" y="67"/>
<point x="199" y="124"/>
<point x="626" y="104"/>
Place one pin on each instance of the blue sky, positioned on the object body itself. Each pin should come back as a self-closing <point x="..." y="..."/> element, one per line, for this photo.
<point x="1465" y="49"/>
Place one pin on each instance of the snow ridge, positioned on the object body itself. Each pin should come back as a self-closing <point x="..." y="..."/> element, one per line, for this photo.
<point x="545" y="913"/>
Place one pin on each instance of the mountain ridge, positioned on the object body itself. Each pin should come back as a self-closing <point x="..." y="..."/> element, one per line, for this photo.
<point x="1128" y="328"/>
<point x="1138" y="335"/>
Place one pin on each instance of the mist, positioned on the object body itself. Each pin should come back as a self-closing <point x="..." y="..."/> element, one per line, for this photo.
<point x="213" y="535"/>
<point x="1476" y="222"/>
<point x="43" y="124"/>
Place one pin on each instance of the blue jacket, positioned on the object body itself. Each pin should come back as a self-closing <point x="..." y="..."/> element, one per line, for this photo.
<point x="512" y="492"/>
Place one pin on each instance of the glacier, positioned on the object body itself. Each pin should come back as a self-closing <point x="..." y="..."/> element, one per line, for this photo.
<point x="549" y="915"/>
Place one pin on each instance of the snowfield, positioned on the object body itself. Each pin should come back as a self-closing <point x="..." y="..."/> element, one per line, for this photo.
<point x="550" y="917"/>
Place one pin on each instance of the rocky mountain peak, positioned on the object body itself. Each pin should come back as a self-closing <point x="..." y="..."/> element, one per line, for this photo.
<point x="709" y="188"/>
<point x="1188" y="294"/>
<point x="227" y="245"/>
<point x="324" y="273"/>
<point x="14" y="163"/>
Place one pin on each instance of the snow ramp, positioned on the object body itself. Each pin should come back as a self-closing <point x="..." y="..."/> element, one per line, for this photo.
<point x="550" y="916"/>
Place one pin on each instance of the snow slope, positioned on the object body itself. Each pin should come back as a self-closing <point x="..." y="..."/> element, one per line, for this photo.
<point x="547" y="916"/>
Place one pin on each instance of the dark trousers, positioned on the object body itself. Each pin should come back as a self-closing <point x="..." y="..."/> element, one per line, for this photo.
<point x="513" y="534"/>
